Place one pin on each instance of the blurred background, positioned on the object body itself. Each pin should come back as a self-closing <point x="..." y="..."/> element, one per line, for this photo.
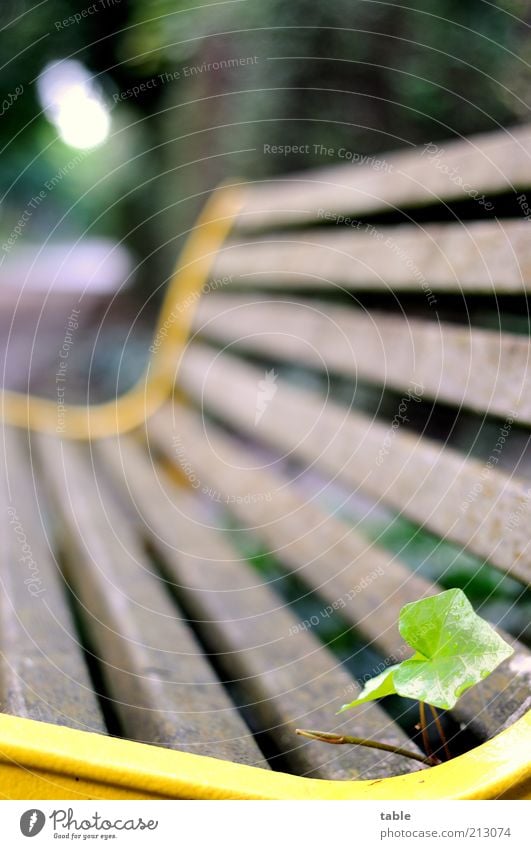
<point x="124" y="113"/>
<point x="118" y="117"/>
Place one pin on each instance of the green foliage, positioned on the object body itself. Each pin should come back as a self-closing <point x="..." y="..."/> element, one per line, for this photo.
<point x="454" y="649"/>
<point x="366" y="76"/>
<point x="352" y="75"/>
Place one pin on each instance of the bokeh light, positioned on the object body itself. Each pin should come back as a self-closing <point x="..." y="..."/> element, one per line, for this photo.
<point x="72" y="101"/>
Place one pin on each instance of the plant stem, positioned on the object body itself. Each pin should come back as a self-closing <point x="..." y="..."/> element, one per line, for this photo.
<point x="340" y="739"/>
<point x="442" y="735"/>
<point x="424" y="730"/>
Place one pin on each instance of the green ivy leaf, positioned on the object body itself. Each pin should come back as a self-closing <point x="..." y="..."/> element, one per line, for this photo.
<point x="378" y="687"/>
<point x="454" y="649"/>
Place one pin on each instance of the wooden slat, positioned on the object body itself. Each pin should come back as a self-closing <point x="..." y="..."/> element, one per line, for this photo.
<point x="367" y="585"/>
<point x="321" y="548"/>
<point x="438" y="487"/>
<point x="290" y="678"/>
<point x="487" y="164"/>
<point x="471" y="257"/>
<point x="162" y="687"/>
<point x="460" y="365"/>
<point x="43" y="673"/>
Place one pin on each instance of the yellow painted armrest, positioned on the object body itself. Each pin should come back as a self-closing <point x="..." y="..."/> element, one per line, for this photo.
<point x="42" y="761"/>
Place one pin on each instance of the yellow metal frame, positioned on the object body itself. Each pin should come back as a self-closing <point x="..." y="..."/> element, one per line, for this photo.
<point x="42" y="761"/>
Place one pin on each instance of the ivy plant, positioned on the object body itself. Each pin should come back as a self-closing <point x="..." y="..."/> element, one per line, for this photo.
<point x="453" y="649"/>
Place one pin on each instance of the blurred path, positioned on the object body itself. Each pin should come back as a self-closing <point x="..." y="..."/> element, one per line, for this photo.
<point x="52" y="301"/>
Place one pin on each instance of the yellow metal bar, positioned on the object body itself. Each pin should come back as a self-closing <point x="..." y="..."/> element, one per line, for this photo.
<point x="170" y="337"/>
<point x="41" y="761"/>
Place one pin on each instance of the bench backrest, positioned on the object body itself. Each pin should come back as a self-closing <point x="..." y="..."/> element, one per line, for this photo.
<point x="313" y="286"/>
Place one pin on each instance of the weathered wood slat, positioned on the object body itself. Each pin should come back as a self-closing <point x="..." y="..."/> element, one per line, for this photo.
<point x="471" y="257"/>
<point x="290" y="678"/>
<point x="321" y="548"/>
<point x="367" y="585"/>
<point x="43" y="673"/>
<point x="485" y="164"/>
<point x="447" y="362"/>
<point x="458" y="498"/>
<point x="162" y="687"/>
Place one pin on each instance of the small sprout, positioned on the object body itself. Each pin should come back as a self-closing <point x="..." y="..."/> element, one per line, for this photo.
<point x="454" y="649"/>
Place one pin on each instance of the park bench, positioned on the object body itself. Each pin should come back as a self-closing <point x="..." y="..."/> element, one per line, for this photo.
<point x="173" y="586"/>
